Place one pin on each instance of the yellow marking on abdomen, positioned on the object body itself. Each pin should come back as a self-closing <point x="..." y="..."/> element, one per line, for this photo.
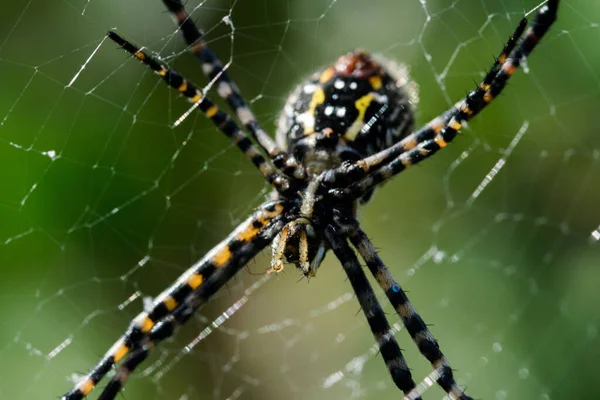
<point x="487" y="97"/>
<point x="222" y="257"/>
<point x="361" y="106"/>
<point x="139" y="55"/>
<point x="318" y="97"/>
<point x="162" y="72"/>
<point x="375" y="82"/>
<point x="326" y="75"/>
<point x="195" y="281"/>
<point x="211" y="111"/>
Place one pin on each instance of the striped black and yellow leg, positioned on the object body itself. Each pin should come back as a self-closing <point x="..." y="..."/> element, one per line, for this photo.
<point x="200" y="281"/>
<point x="226" y="88"/>
<point x="354" y="171"/>
<point x="169" y="325"/>
<point x="388" y="347"/>
<point x="416" y="327"/>
<point x="220" y="118"/>
<point x="472" y="105"/>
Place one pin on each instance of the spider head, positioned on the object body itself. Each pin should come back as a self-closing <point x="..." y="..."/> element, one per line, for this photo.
<point x="299" y="244"/>
<point x="356" y="107"/>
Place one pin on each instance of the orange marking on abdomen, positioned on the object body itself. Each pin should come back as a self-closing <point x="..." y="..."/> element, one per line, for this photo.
<point x="326" y="75"/>
<point x="375" y="82"/>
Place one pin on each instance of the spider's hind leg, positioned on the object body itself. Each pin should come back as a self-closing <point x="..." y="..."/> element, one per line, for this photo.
<point x="384" y="335"/>
<point x="176" y="304"/>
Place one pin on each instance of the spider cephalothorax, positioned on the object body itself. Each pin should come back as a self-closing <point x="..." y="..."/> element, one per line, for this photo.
<point x="342" y="133"/>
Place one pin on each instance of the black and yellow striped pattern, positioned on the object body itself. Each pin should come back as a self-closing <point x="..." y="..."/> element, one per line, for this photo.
<point x="221" y="120"/>
<point x="182" y="299"/>
<point x="352" y="172"/>
<point x="416" y="327"/>
<point x="179" y="302"/>
<point x="226" y="88"/>
<point x="474" y="103"/>
<point x="388" y="347"/>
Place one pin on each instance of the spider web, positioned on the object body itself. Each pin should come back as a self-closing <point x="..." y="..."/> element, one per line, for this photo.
<point x="104" y="203"/>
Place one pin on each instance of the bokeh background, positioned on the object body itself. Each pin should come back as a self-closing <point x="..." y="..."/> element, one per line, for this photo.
<point x="102" y="201"/>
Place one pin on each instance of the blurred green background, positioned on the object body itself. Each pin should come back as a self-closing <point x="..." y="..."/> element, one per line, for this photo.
<point x="101" y="199"/>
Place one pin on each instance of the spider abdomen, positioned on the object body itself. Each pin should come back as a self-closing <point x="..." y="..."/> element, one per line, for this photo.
<point x="358" y="106"/>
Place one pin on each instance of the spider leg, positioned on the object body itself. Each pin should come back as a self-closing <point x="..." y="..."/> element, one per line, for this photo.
<point x="169" y="325"/>
<point x="226" y="88"/>
<point x="352" y="172"/>
<point x="392" y="355"/>
<point x="178" y="302"/>
<point x="442" y="130"/>
<point x="416" y="327"/>
<point x="220" y="118"/>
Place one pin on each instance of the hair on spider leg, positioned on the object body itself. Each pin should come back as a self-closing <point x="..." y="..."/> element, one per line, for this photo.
<point x="294" y="225"/>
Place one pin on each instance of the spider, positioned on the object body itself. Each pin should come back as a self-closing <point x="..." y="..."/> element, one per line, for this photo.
<point x="344" y="131"/>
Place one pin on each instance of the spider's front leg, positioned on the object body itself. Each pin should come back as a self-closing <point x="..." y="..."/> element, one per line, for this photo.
<point x="181" y="300"/>
<point x="387" y="163"/>
<point x="352" y="172"/>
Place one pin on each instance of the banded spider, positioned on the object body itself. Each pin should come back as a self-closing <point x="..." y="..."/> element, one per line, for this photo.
<point x="342" y="133"/>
